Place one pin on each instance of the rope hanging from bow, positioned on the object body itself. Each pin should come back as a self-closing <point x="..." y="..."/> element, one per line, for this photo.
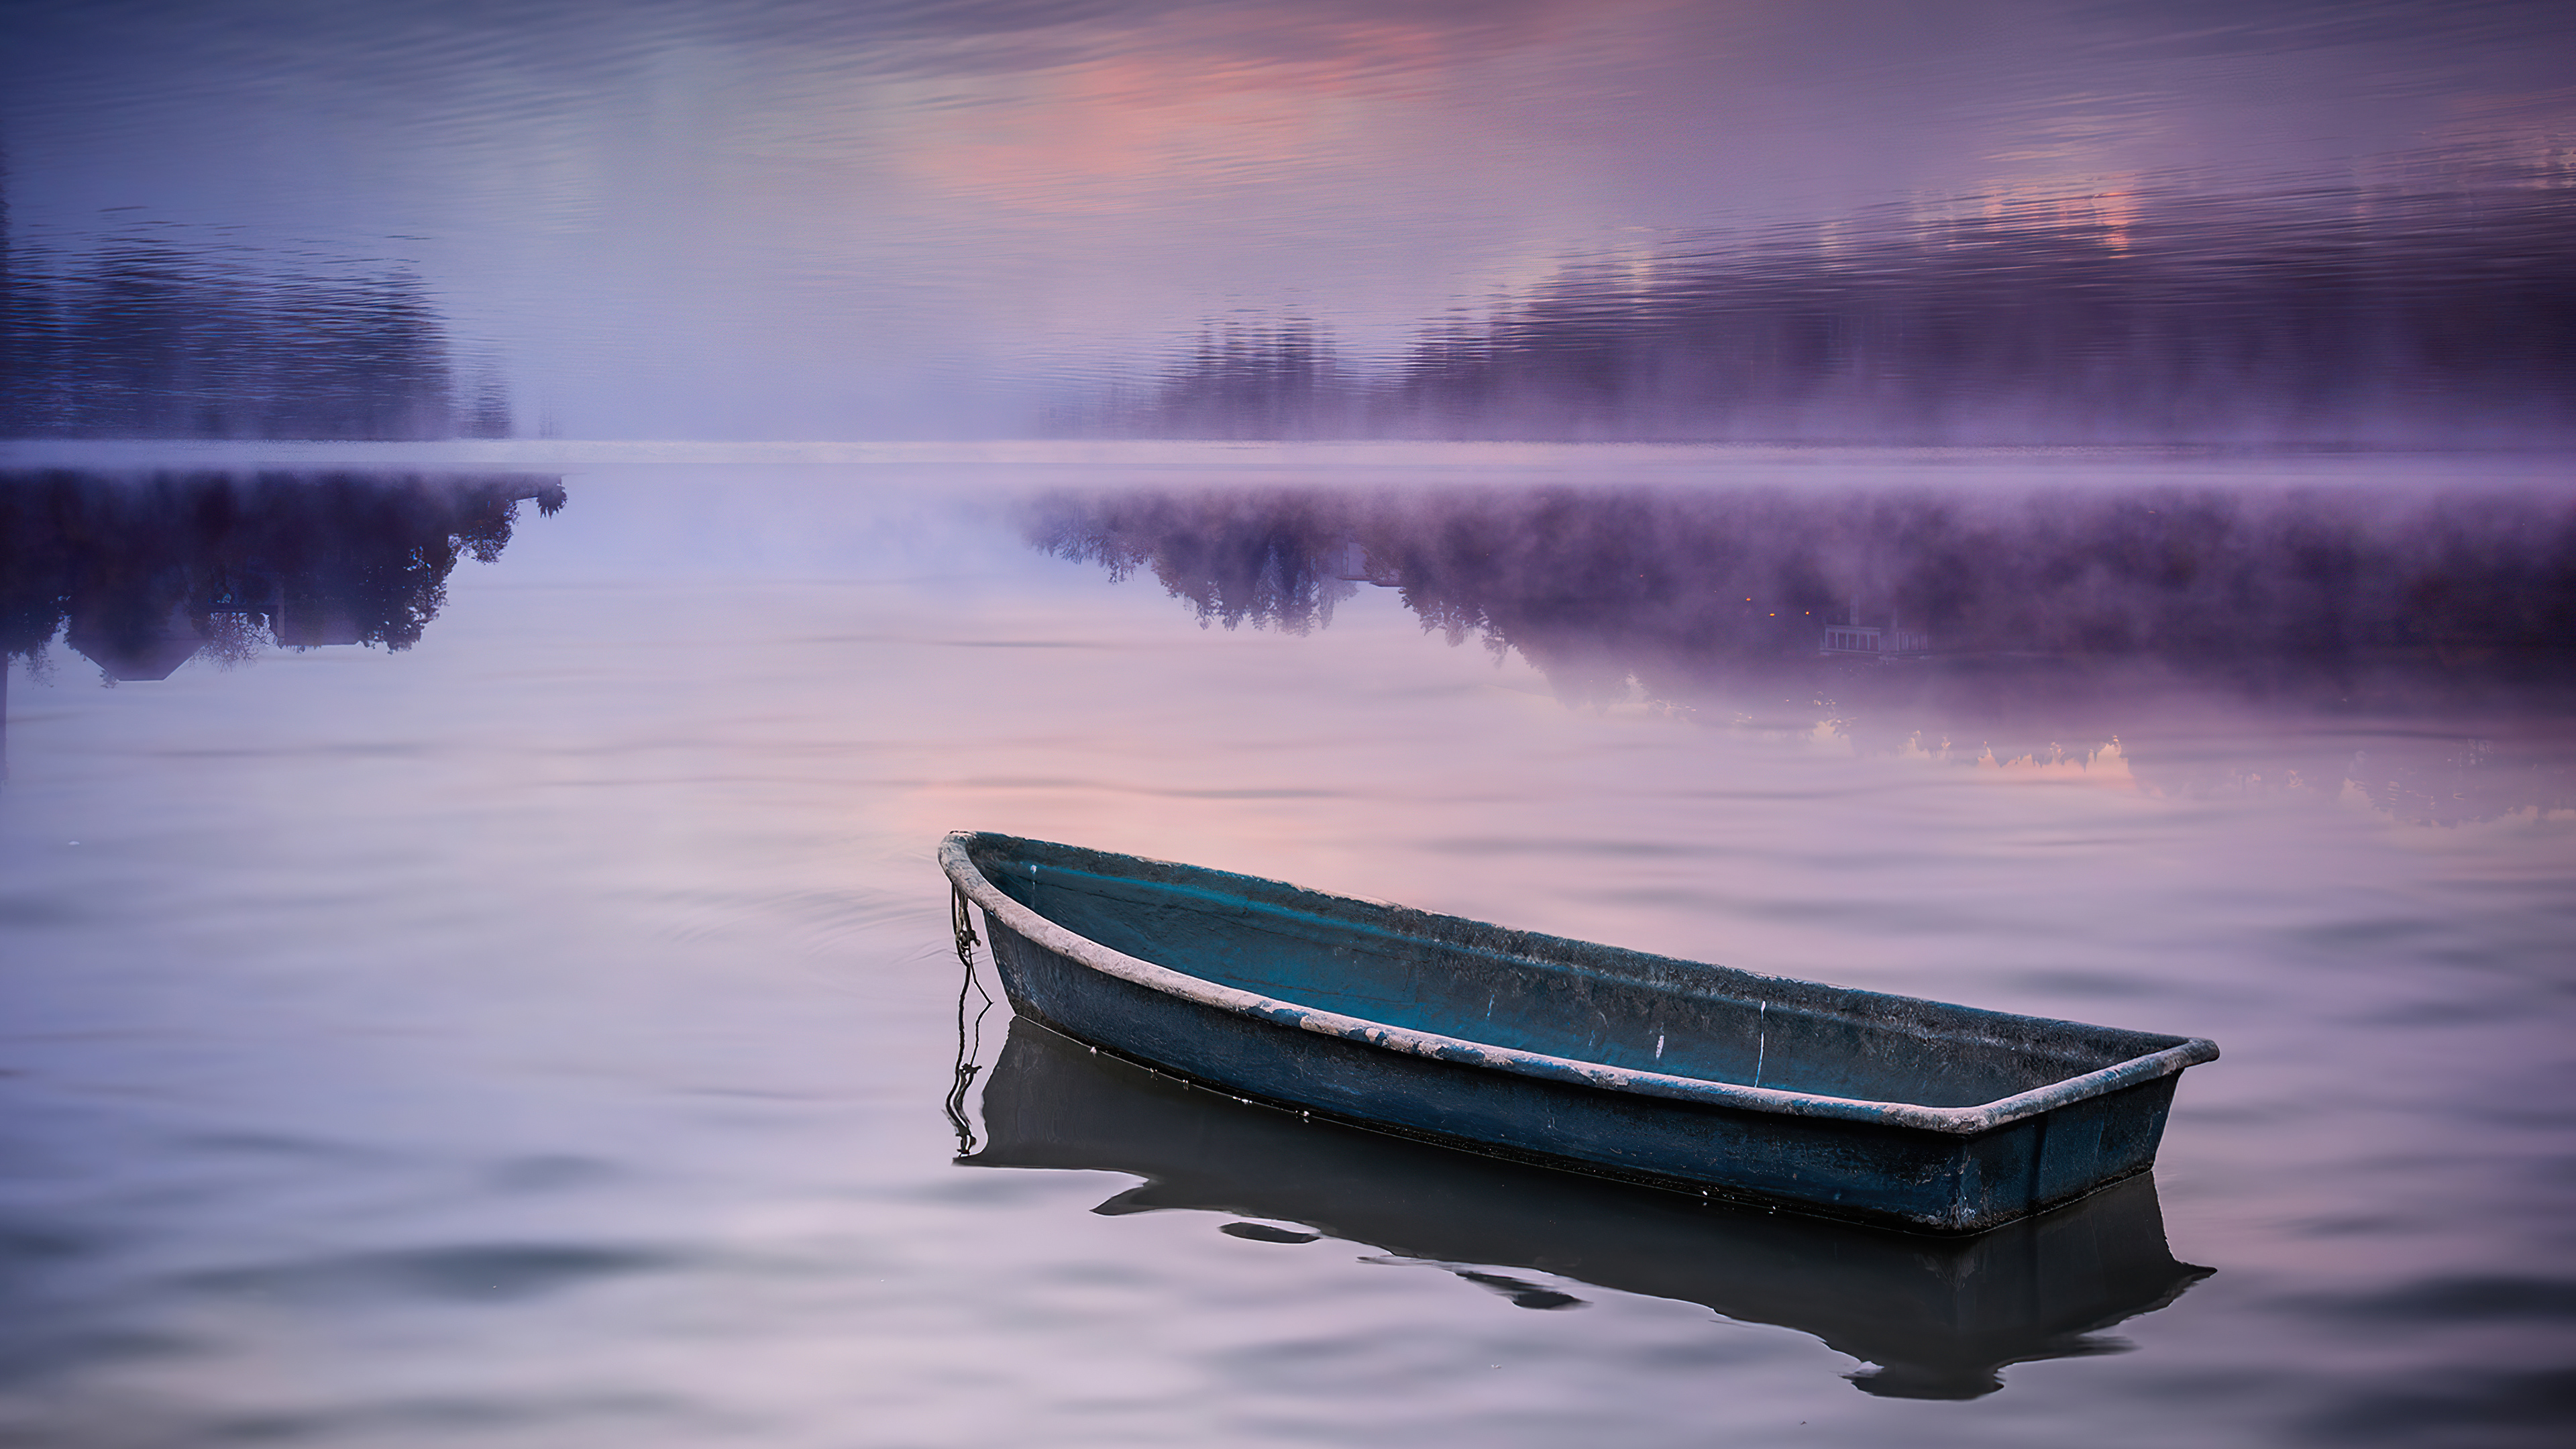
<point x="970" y="1033"/>
<point x="963" y="926"/>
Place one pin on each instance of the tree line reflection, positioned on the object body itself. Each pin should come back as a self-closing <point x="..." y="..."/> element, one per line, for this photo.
<point x="2033" y="627"/>
<point x="141" y="573"/>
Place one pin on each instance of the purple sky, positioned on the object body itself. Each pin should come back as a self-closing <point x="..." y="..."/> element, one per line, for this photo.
<point x="697" y="219"/>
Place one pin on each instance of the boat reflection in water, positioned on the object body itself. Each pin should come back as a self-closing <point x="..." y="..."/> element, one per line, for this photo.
<point x="1939" y="1317"/>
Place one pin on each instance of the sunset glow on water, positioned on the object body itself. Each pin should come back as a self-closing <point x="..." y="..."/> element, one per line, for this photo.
<point x="520" y="532"/>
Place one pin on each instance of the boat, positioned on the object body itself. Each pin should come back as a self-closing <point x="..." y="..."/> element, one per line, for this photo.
<point x="1872" y="1107"/>
<point x="1940" y="1318"/>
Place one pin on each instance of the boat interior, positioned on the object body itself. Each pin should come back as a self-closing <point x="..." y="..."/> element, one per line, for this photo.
<point x="1522" y="991"/>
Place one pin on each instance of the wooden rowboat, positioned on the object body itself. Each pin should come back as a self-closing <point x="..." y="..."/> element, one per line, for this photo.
<point x="1724" y="1083"/>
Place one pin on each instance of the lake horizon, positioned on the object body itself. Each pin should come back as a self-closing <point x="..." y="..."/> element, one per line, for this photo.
<point x="522" y="529"/>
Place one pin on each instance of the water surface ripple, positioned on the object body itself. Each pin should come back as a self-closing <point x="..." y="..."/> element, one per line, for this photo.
<point x="538" y="1033"/>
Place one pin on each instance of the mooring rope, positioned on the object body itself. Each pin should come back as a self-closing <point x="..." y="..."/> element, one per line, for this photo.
<point x="970" y="1034"/>
<point x="962" y="925"/>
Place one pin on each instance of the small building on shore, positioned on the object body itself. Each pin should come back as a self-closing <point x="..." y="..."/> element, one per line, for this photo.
<point x="1874" y="639"/>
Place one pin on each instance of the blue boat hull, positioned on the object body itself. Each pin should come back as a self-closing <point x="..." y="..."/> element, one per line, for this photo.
<point x="1941" y="1316"/>
<point x="1861" y="1160"/>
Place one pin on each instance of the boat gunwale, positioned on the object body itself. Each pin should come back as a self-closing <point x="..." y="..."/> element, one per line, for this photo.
<point x="957" y="861"/>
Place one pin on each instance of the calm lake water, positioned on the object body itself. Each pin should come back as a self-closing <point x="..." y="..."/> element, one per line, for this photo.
<point x="539" y="1035"/>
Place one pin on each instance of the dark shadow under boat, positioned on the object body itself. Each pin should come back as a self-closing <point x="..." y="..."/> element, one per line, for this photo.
<point x="1940" y="1317"/>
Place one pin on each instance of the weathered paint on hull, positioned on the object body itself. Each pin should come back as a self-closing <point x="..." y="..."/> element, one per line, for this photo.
<point x="1861" y="1160"/>
<point x="1923" y="1180"/>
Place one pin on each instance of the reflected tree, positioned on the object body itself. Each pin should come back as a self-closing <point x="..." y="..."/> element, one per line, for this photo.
<point x="142" y="573"/>
<point x="2202" y="580"/>
<point x="2049" y="618"/>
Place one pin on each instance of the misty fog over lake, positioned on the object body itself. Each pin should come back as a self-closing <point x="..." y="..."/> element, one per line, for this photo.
<point x="521" y="529"/>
